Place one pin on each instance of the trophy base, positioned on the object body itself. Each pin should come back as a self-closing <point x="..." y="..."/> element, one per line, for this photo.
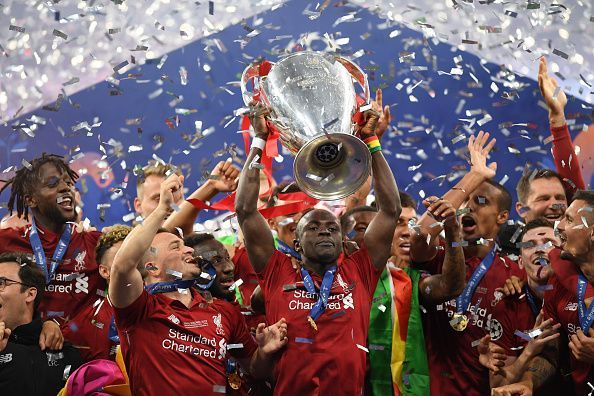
<point x="332" y="166"/>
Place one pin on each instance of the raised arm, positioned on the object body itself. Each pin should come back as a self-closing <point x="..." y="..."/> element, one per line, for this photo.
<point x="439" y="288"/>
<point x="257" y="236"/>
<point x="359" y="198"/>
<point x="125" y="284"/>
<point x="566" y="161"/>
<point x="424" y="248"/>
<point x="379" y="233"/>
<point x="223" y="179"/>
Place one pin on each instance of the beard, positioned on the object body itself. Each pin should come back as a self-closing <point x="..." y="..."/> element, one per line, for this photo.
<point x="55" y="215"/>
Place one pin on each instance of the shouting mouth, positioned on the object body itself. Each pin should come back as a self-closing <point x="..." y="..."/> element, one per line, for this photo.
<point x="468" y="224"/>
<point x="65" y="202"/>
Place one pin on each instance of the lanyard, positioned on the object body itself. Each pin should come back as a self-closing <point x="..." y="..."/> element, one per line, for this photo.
<point x="167" y="287"/>
<point x="286" y="249"/>
<point x="320" y="305"/>
<point x="531" y="301"/>
<point x="586" y="316"/>
<point x="463" y="300"/>
<point x="40" y="254"/>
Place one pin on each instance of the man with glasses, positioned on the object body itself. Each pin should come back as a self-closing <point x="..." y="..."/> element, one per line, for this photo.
<point x="24" y="368"/>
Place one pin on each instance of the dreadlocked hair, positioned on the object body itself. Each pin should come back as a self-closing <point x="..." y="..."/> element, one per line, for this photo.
<point x="26" y="180"/>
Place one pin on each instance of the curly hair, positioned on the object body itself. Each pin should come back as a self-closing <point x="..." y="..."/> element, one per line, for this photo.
<point x="27" y="179"/>
<point x="116" y="233"/>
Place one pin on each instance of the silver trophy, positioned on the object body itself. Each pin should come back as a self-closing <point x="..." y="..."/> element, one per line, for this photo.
<point x="312" y="100"/>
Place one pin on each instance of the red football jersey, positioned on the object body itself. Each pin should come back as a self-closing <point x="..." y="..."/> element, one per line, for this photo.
<point x="245" y="272"/>
<point x="561" y="305"/>
<point x="75" y="286"/>
<point x="332" y="360"/>
<point x="169" y="348"/>
<point x="453" y="361"/>
<point x="93" y="341"/>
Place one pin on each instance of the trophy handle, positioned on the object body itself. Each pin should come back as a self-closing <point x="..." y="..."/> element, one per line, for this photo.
<point x="358" y="74"/>
<point x="251" y="72"/>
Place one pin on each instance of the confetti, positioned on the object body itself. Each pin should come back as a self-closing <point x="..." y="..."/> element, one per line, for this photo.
<point x="60" y="34"/>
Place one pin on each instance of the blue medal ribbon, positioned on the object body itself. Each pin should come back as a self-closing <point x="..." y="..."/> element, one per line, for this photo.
<point x="533" y="307"/>
<point x="59" y="253"/>
<point x="463" y="300"/>
<point x="320" y="305"/>
<point x="113" y="331"/>
<point x="586" y="316"/>
<point x="172" y="286"/>
<point x="286" y="249"/>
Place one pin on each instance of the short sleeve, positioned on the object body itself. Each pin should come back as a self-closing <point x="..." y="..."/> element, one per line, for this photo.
<point x="363" y="265"/>
<point x="136" y="312"/>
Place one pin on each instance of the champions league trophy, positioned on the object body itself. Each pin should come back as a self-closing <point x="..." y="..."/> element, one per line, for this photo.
<point x="312" y="101"/>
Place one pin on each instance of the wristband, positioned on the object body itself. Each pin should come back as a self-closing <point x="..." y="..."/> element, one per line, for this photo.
<point x="373" y="144"/>
<point x="258" y="143"/>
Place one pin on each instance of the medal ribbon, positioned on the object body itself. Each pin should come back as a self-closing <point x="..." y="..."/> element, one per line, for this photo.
<point x="40" y="254"/>
<point x="586" y="316"/>
<point x="320" y="305"/>
<point x="286" y="249"/>
<point x="463" y="299"/>
<point x="172" y="286"/>
<point x="531" y="302"/>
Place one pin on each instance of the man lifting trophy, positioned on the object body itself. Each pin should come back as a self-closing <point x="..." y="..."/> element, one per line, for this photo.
<point x="312" y="101"/>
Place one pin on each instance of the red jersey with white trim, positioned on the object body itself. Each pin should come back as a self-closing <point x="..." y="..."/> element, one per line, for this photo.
<point x="170" y="348"/>
<point x="453" y="362"/>
<point x="75" y="286"/>
<point x="332" y="360"/>
<point x="560" y="304"/>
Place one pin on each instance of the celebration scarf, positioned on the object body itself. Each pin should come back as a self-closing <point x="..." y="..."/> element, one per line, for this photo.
<point x="399" y="364"/>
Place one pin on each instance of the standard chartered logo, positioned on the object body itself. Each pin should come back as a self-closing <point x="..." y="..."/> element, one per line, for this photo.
<point x="82" y="285"/>
<point x="222" y="348"/>
<point x="348" y="301"/>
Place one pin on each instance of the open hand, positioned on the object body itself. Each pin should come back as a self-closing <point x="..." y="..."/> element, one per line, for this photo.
<point x="272" y="338"/>
<point x="491" y="356"/>
<point x="479" y="150"/>
<point x="548" y="85"/>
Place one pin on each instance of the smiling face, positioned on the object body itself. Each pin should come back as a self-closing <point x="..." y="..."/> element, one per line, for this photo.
<point x="16" y="304"/>
<point x="546" y="198"/>
<point x="534" y="257"/>
<point x="575" y="232"/>
<point x="319" y="237"/>
<point x="170" y="257"/>
<point x="485" y="217"/>
<point x="214" y="252"/>
<point x="401" y="240"/>
<point x="53" y="200"/>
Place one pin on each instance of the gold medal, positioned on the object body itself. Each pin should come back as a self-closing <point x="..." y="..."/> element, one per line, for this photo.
<point x="459" y="322"/>
<point x="234" y="381"/>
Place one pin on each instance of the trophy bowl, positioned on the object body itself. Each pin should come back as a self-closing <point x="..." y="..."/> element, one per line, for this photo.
<point x="312" y="100"/>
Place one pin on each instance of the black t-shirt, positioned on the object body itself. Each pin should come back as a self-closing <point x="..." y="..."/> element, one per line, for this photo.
<point x="27" y="370"/>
